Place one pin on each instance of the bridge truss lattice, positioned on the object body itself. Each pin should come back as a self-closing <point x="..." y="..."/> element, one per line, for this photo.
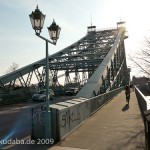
<point x="95" y="64"/>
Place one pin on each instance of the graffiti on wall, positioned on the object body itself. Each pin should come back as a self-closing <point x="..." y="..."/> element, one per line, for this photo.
<point x="38" y="116"/>
<point x="71" y="116"/>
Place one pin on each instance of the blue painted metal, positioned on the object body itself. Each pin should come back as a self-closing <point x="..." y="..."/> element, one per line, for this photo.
<point x="96" y="62"/>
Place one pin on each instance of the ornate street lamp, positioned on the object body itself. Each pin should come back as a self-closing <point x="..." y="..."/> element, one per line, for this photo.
<point x="54" y="31"/>
<point x="37" y="21"/>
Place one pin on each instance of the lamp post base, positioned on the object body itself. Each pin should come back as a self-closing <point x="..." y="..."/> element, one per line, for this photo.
<point x="47" y="124"/>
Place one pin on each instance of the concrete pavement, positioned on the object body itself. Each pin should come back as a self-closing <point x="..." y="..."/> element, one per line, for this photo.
<point x="116" y="126"/>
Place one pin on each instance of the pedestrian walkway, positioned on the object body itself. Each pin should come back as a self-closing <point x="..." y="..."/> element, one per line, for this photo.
<point x="116" y="126"/>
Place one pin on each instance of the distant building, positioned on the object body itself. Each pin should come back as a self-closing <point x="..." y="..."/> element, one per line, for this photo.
<point x="140" y="80"/>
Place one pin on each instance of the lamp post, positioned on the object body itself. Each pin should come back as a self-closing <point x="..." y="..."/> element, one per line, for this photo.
<point x="37" y="21"/>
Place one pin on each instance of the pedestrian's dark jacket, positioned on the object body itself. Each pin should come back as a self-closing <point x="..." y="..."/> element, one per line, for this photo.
<point x="127" y="89"/>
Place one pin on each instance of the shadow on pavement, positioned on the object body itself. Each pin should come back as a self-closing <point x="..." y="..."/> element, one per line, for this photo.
<point x="125" y="108"/>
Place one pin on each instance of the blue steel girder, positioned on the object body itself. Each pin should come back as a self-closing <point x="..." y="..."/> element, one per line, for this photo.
<point x="17" y="73"/>
<point x="54" y="79"/>
<point x="29" y="78"/>
<point x="23" y="84"/>
<point x="97" y="51"/>
<point x="67" y="79"/>
<point x="84" y="54"/>
<point x="38" y="75"/>
<point x="97" y="80"/>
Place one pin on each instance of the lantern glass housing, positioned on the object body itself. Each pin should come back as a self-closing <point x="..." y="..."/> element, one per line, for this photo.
<point x="54" y="31"/>
<point x="37" y="20"/>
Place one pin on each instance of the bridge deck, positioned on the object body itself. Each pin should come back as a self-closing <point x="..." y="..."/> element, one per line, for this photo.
<point x="114" y="127"/>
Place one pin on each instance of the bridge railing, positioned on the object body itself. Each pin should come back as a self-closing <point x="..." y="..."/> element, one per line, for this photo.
<point x="145" y="114"/>
<point x="99" y="101"/>
<point x="68" y="115"/>
<point x="141" y="100"/>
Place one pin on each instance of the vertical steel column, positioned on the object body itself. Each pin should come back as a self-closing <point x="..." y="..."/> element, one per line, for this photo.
<point x="84" y="77"/>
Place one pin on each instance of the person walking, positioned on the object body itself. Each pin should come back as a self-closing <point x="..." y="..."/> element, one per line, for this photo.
<point x="127" y="93"/>
<point x="132" y="87"/>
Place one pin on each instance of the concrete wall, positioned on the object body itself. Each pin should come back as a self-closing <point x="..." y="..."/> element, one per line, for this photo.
<point x="68" y="115"/>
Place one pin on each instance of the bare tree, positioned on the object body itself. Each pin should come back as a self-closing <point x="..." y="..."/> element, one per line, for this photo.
<point x="142" y="58"/>
<point x="13" y="67"/>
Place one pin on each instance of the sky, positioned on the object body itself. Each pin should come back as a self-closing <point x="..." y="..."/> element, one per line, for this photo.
<point x="18" y="43"/>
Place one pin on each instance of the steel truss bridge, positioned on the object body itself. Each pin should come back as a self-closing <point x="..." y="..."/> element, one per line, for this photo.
<point x="96" y="64"/>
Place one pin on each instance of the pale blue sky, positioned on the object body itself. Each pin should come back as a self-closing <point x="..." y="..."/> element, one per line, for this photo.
<point x="19" y="44"/>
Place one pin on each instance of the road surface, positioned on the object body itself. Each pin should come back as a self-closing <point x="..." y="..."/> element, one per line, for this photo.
<point x="16" y="119"/>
